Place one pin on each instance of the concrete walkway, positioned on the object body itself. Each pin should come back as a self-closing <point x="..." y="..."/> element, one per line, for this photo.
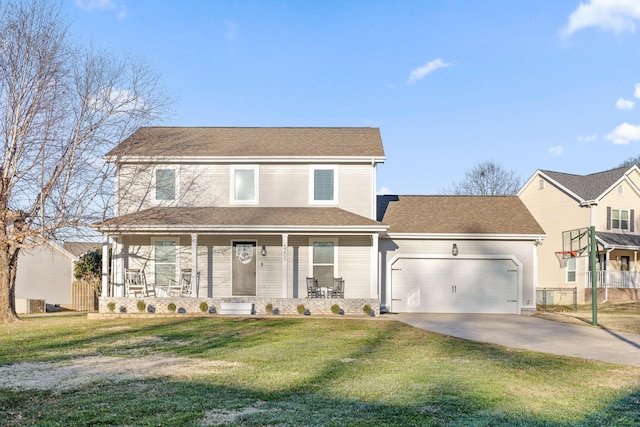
<point x="532" y="333"/>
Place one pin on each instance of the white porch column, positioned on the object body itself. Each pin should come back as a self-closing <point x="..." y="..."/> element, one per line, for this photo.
<point x="194" y="265"/>
<point x="105" y="266"/>
<point x="117" y="266"/>
<point x="374" y="265"/>
<point x="285" y="265"/>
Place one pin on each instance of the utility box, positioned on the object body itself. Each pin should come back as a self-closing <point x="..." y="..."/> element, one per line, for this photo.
<point x="29" y="306"/>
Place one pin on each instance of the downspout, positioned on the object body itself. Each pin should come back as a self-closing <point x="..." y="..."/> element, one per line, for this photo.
<point x="635" y="269"/>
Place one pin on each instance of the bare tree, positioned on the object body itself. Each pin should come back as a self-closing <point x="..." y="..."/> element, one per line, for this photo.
<point x="61" y="108"/>
<point x="630" y="162"/>
<point x="487" y="179"/>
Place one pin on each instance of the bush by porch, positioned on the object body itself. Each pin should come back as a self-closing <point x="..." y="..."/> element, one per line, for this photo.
<point x="285" y="306"/>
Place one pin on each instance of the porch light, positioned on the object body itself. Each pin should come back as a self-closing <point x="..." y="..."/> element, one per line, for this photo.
<point x="454" y="250"/>
<point x="263" y="252"/>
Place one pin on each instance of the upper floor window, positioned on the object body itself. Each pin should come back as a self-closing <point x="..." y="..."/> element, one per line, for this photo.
<point x="244" y="184"/>
<point x="619" y="219"/>
<point x="323" y="185"/>
<point x="165" y="183"/>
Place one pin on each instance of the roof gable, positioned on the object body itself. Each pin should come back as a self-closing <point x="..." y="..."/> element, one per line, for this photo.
<point x="458" y="215"/>
<point x="588" y="187"/>
<point x="251" y="142"/>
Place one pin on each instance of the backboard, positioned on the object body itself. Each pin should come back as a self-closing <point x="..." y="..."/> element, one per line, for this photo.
<point x="576" y="242"/>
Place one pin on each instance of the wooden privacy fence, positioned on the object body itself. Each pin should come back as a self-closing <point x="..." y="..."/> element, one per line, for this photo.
<point x="84" y="295"/>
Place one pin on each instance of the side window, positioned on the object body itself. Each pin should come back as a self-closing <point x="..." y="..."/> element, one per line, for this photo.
<point x="571" y="270"/>
<point x="244" y="184"/>
<point x="165" y="184"/>
<point x="323" y="185"/>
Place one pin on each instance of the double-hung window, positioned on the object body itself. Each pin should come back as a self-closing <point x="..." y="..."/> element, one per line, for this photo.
<point x="323" y="185"/>
<point x="244" y="185"/>
<point x="571" y="270"/>
<point x="619" y="219"/>
<point x="165" y="260"/>
<point x="323" y="261"/>
<point x="165" y="183"/>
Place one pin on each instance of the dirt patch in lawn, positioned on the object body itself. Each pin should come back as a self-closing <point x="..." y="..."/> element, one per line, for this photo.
<point x="73" y="373"/>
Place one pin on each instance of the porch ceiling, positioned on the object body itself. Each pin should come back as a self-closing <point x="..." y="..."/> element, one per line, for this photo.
<point x="241" y="219"/>
<point x="618" y="240"/>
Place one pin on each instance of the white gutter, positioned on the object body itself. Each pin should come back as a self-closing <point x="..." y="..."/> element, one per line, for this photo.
<point x="245" y="159"/>
<point x="469" y="236"/>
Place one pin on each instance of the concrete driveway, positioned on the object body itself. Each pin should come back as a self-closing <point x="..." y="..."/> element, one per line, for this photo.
<point x="533" y="333"/>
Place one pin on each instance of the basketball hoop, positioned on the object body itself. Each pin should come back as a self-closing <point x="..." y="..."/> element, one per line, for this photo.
<point x="563" y="257"/>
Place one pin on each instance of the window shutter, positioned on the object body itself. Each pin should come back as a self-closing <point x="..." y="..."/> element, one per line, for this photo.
<point x="608" y="217"/>
<point x="631" y="221"/>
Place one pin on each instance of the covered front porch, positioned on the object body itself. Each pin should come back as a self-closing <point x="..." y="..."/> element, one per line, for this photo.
<point x="223" y="259"/>
<point x="617" y="262"/>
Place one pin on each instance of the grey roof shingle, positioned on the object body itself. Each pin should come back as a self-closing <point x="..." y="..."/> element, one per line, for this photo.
<point x="252" y="142"/>
<point x="80" y="248"/>
<point x="588" y="187"/>
<point x="459" y="215"/>
<point x="619" y="239"/>
<point x="210" y="217"/>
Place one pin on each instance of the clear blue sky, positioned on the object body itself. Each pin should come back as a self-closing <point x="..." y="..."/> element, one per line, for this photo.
<point x="529" y="84"/>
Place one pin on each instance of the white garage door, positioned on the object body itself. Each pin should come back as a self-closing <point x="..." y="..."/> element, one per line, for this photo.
<point x="421" y="285"/>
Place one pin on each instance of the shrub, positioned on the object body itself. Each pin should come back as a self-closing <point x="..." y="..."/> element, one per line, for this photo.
<point x="204" y="307"/>
<point x="111" y="306"/>
<point x="141" y="305"/>
<point x="89" y="266"/>
<point x="366" y="309"/>
<point x="269" y="308"/>
<point x="301" y="308"/>
<point x="172" y="307"/>
<point x="335" y="309"/>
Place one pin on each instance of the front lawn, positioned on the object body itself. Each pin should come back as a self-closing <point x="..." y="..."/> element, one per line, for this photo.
<point x="70" y="371"/>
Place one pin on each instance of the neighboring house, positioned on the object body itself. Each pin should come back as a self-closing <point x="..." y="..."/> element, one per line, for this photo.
<point x="45" y="272"/>
<point x="458" y="254"/>
<point x="247" y="214"/>
<point x="606" y="200"/>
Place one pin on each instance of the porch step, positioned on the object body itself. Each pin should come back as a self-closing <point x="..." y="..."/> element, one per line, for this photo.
<point x="236" y="308"/>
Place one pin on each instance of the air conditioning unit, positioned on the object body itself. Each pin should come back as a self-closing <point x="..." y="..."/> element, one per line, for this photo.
<point x="29" y="306"/>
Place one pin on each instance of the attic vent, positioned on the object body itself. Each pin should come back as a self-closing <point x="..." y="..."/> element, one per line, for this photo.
<point x="540" y="184"/>
<point x="620" y="189"/>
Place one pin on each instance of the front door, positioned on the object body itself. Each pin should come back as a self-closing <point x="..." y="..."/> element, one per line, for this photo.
<point x="244" y="269"/>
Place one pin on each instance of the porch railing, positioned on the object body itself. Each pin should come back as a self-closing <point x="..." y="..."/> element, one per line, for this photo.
<point x="615" y="279"/>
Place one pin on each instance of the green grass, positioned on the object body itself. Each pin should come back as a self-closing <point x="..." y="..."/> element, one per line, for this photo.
<point x="292" y="371"/>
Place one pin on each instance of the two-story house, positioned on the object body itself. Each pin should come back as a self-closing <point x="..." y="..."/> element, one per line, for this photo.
<point x="246" y="214"/>
<point x="606" y="200"/>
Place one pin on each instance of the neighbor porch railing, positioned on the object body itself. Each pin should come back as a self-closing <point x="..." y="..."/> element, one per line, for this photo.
<point x="615" y="279"/>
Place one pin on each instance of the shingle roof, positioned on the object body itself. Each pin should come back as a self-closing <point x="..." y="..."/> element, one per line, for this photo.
<point x="459" y="215"/>
<point x="80" y="248"/>
<point x="588" y="187"/>
<point x="206" y="218"/>
<point x="619" y="239"/>
<point x="261" y="142"/>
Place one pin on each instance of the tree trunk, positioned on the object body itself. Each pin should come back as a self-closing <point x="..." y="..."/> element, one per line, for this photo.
<point x="8" y="265"/>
